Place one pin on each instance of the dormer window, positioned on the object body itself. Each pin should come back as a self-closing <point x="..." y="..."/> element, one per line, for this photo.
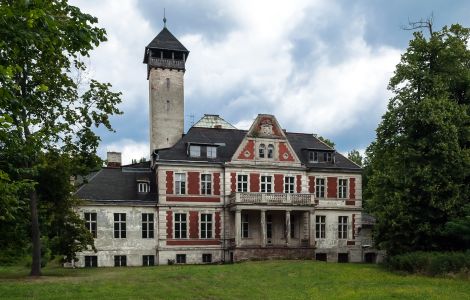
<point x="143" y="187"/>
<point x="195" y="151"/>
<point x="313" y="156"/>
<point x="270" y="151"/>
<point x="328" y="156"/>
<point x="211" y="152"/>
<point x="262" y="151"/>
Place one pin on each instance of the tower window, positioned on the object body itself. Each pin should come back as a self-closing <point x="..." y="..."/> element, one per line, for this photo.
<point x="262" y="150"/>
<point x="168" y="83"/>
<point x="167" y="105"/>
<point x="270" y="151"/>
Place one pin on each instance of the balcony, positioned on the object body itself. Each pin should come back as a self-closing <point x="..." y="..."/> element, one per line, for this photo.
<point x="166" y="63"/>
<point x="272" y="199"/>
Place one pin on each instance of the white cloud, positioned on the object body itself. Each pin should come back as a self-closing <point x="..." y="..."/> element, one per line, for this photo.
<point x="129" y="149"/>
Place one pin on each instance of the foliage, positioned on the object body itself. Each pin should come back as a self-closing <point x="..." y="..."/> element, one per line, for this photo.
<point x="44" y="105"/>
<point x="458" y="228"/>
<point x="431" y="263"/>
<point x="355" y="156"/>
<point x="326" y="141"/>
<point x="251" y="280"/>
<point x="420" y="162"/>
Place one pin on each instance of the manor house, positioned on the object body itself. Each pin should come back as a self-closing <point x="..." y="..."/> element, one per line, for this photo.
<point x="220" y="194"/>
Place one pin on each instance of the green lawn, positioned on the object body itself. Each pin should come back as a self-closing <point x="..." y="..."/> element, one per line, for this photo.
<point x="250" y="280"/>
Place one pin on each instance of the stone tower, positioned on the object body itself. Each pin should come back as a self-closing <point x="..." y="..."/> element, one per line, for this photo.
<point x="165" y="57"/>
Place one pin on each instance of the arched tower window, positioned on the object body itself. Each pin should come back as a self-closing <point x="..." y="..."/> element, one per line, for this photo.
<point x="168" y="83"/>
<point x="270" y="151"/>
<point x="262" y="150"/>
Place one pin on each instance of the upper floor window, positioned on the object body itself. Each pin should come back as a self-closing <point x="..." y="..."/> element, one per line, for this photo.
<point x="320" y="187"/>
<point x="266" y="184"/>
<point x="313" y="156"/>
<point x="342" y="188"/>
<point x="342" y="227"/>
<point x="180" y="226"/>
<point x="195" y="151"/>
<point x="328" y="156"/>
<point x="289" y="184"/>
<point x="143" y="187"/>
<point x="206" y="184"/>
<point x="206" y="226"/>
<point x="147" y="226"/>
<point x="180" y="183"/>
<point x="211" y="152"/>
<point x="262" y="151"/>
<point x="90" y="223"/>
<point x="242" y="185"/>
<point x="120" y="225"/>
<point x="270" y="151"/>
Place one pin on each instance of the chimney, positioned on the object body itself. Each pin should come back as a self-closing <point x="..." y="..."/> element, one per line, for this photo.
<point x="114" y="160"/>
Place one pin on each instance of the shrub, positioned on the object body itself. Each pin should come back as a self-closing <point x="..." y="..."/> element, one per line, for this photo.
<point x="431" y="263"/>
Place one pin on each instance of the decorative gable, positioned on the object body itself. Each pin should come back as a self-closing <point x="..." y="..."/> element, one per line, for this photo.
<point x="248" y="151"/>
<point x="266" y="126"/>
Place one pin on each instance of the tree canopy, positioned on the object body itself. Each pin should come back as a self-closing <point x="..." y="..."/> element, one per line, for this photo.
<point x="419" y="164"/>
<point x="44" y="108"/>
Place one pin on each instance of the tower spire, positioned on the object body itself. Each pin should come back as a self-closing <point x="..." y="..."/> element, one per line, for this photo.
<point x="164" y="18"/>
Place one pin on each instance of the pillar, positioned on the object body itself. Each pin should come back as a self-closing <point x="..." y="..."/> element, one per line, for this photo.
<point x="311" y="228"/>
<point x="287" y="227"/>
<point x="238" y="229"/>
<point x="263" y="228"/>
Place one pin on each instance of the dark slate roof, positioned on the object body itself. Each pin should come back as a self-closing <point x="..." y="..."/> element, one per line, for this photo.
<point x="116" y="184"/>
<point x="232" y="139"/>
<point x="200" y="135"/>
<point x="166" y="40"/>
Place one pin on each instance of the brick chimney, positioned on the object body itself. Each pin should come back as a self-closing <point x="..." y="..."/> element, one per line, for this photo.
<point x="114" y="160"/>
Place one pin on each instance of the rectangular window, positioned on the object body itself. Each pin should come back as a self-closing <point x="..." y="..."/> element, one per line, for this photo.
<point x="242" y="185"/>
<point x="320" y="227"/>
<point x="143" y="187"/>
<point x="313" y="156"/>
<point x="342" y="188"/>
<point x="289" y="184"/>
<point x="206" y="184"/>
<point x="328" y="156"/>
<point x="245" y="231"/>
<point x="120" y="226"/>
<point x="180" y="183"/>
<point x="90" y="223"/>
<point x="207" y="258"/>
<point x="180" y="226"/>
<point x="91" y="261"/>
<point x="120" y="261"/>
<point x="342" y="227"/>
<point x="206" y="226"/>
<point x="148" y="260"/>
<point x="147" y="226"/>
<point x="211" y="152"/>
<point x="292" y="226"/>
<point x="180" y="258"/>
<point x="266" y="184"/>
<point x="320" y="187"/>
<point x="195" y="151"/>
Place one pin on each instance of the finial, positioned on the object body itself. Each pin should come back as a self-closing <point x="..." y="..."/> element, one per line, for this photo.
<point x="164" y="18"/>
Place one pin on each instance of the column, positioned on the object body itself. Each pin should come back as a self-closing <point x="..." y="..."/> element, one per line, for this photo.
<point x="287" y="227"/>
<point x="311" y="228"/>
<point x="263" y="228"/>
<point x="238" y="224"/>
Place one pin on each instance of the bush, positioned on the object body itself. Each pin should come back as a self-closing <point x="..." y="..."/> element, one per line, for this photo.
<point x="431" y="263"/>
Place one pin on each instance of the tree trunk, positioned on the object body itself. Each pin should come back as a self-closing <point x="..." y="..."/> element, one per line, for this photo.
<point x="35" y="234"/>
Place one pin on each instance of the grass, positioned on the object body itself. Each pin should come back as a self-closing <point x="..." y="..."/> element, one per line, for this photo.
<point x="250" y="280"/>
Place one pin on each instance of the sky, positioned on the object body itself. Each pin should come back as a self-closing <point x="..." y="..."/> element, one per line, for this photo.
<point x="319" y="66"/>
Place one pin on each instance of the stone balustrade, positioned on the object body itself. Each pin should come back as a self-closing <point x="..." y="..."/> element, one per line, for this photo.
<point x="166" y="63"/>
<point x="272" y="199"/>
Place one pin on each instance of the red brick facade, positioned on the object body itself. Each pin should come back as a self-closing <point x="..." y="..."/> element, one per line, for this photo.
<point x="233" y="182"/>
<point x="216" y="183"/>
<point x="192" y="199"/>
<point x="193" y="225"/>
<point x="311" y="184"/>
<point x="299" y="183"/>
<point x="169" y="224"/>
<point x="278" y="183"/>
<point x="352" y="188"/>
<point x="332" y="187"/>
<point x="254" y="182"/>
<point x="248" y="149"/>
<point x="169" y="182"/>
<point x="284" y="153"/>
<point x="193" y="183"/>
<point x="217" y="225"/>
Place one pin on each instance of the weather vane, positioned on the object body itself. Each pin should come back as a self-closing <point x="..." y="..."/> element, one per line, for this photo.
<point x="164" y="18"/>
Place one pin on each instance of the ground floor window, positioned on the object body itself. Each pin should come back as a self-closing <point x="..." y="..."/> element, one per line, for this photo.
<point x="148" y="260"/>
<point x="91" y="261"/>
<point x="320" y="256"/>
<point x="120" y="261"/>
<point x="343" y="257"/>
<point x="180" y="258"/>
<point x="207" y="258"/>
<point x="370" y="257"/>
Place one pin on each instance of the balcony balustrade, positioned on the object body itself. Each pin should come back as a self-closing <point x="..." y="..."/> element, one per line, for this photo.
<point x="272" y="199"/>
<point x="166" y="63"/>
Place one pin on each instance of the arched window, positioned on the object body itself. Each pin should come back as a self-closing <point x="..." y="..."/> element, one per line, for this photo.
<point x="270" y="151"/>
<point x="262" y="150"/>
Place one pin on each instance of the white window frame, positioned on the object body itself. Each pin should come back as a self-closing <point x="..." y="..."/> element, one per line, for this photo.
<point x="122" y="228"/>
<point x="206" y="184"/>
<point x="242" y="183"/>
<point x="320" y="227"/>
<point x="313" y="156"/>
<point x="211" y="152"/>
<point x="262" y="150"/>
<point x="343" y="188"/>
<point x="149" y="225"/>
<point x="209" y="234"/>
<point x="289" y="187"/>
<point x="180" y="223"/>
<point x="328" y="156"/>
<point x="89" y="222"/>
<point x="193" y="152"/>
<point x="143" y="187"/>
<point x="343" y="227"/>
<point x="265" y="183"/>
<point x="270" y="151"/>
<point x="318" y="191"/>
<point x="179" y="183"/>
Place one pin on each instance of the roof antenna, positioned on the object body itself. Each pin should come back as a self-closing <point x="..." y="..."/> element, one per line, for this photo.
<point x="164" y="18"/>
